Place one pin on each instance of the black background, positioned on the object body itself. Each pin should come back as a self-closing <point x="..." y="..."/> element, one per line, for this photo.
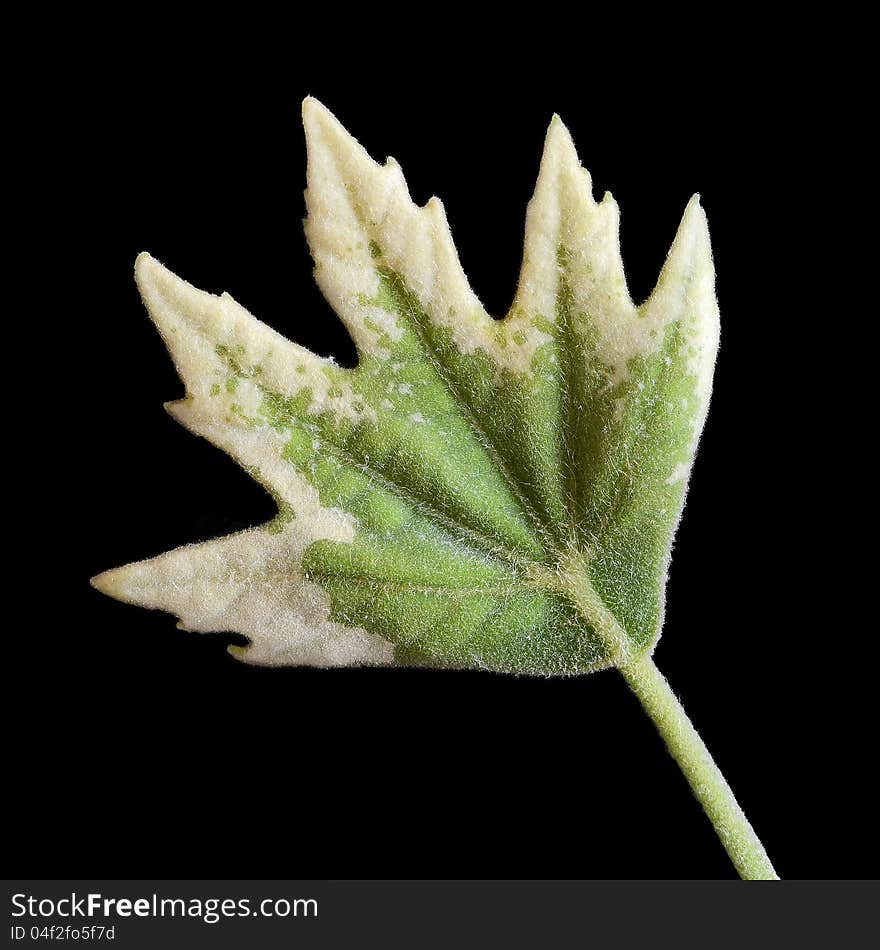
<point x="139" y="750"/>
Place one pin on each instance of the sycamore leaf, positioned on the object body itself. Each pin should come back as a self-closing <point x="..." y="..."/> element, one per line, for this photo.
<point x="475" y="493"/>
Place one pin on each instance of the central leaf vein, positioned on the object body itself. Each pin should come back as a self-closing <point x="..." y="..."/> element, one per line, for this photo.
<point x="409" y="308"/>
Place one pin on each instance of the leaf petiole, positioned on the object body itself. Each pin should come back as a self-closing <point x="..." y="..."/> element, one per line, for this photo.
<point x="666" y="712"/>
<point x="705" y="778"/>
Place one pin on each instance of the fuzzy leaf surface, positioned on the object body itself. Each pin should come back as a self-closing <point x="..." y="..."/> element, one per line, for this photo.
<point x="475" y="493"/>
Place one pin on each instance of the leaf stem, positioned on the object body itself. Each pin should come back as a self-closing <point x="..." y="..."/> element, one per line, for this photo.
<point x="705" y="778"/>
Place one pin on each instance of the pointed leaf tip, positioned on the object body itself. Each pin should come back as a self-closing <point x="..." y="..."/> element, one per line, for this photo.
<point x="144" y="266"/>
<point x="693" y="231"/>
<point x="318" y="118"/>
<point x="150" y="272"/>
<point x="312" y="107"/>
<point x="160" y="287"/>
<point x="694" y="215"/>
<point x="560" y="160"/>
<point x="108" y="583"/>
<point x="559" y="136"/>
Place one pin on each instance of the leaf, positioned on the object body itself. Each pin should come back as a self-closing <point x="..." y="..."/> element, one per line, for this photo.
<point x="475" y="493"/>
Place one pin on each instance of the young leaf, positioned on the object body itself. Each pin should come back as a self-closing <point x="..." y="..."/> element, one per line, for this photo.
<point x="486" y="494"/>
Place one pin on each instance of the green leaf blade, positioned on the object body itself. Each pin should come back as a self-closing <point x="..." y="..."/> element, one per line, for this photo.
<point x="475" y="493"/>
